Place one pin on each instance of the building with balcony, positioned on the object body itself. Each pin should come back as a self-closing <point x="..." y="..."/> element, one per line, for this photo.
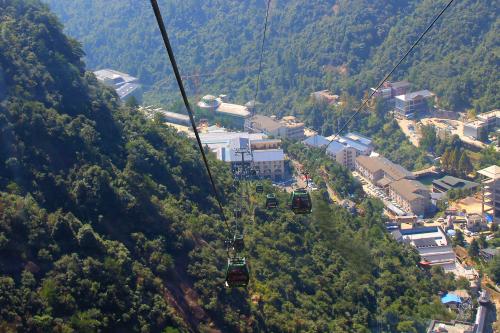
<point x="409" y="105"/>
<point x="392" y="89"/>
<point x="477" y="130"/>
<point x="490" y="185"/>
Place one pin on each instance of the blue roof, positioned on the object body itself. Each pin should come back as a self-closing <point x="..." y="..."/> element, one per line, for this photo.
<point x="450" y="298"/>
<point x="422" y="230"/>
<point x="316" y="141"/>
<point x="335" y="147"/>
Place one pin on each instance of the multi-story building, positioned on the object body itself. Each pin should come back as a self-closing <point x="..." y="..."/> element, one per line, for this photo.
<point x="286" y="128"/>
<point x="477" y="129"/>
<point x="380" y="171"/>
<point x="491" y="119"/>
<point x="343" y="149"/>
<point x="432" y="245"/>
<point x="411" y="104"/>
<point x="235" y="113"/>
<point x="392" y="89"/>
<point x="264" y="154"/>
<point x="411" y="195"/>
<point x="490" y="183"/>
<point x="124" y="84"/>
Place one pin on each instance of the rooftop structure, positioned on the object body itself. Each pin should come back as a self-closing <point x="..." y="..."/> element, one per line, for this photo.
<point x="171" y="117"/>
<point x="377" y="168"/>
<point x="124" y="84"/>
<point x="453" y="326"/>
<point x="448" y="183"/>
<point x="288" y="127"/>
<point x="411" y="195"/>
<point x="392" y="89"/>
<point x="431" y="243"/>
<point x="316" y="141"/>
<point x="234" y="112"/>
<point x="265" y="154"/>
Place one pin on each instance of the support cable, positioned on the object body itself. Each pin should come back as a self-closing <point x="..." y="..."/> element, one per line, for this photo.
<point x="390" y="73"/>
<point x="166" y="41"/>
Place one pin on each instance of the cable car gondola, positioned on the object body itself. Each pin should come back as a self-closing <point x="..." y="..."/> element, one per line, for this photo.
<point x="271" y="201"/>
<point x="238" y="243"/>
<point x="300" y="201"/>
<point x="259" y="188"/>
<point x="237" y="272"/>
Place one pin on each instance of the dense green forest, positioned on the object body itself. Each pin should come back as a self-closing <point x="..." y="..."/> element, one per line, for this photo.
<point x="342" y="45"/>
<point x="107" y="226"/>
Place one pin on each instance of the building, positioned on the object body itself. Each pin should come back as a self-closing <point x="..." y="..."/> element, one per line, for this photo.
<point x="380" y="171"/>
<point x="475" y="223"/>
<point x="234" y="113"/>
<point x="488" y="253"/>
<point x="491" y="119"/>
<point x="316" y="141"/>
<point x="324" y="96"/>
<point x="286" y="128"/>
<point x="166" y="116"/>
<point x="411" y="104"/>
<point x="264" y="154"/>
<point x="477" y="130"/>
<point x="454" y="326"/>
<point x="432" y="245"/>
<point x="343" y="149"/>
<point x="411" y="195"/>
<point x="392" y="89"/>
<point x="490" y="184"/>
<point x="448" y="183"/>
<point x="124" y="84"/>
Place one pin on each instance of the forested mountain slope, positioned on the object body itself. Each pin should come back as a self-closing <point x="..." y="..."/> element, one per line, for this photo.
<point x="106" y="224"/>
<point x="337" y="44"/>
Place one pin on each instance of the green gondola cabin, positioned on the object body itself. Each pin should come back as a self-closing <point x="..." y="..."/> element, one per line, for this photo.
<point x="237" y="272"/>
<point x="300" y="201"/>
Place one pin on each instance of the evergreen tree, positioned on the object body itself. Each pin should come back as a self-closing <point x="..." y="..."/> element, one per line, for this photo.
<point x="459" y="238"/>
<point x="473" y="250"/>
<point x="464" y="165"/>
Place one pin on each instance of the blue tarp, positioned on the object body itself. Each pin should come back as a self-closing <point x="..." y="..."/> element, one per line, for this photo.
<point x="451" y="232"/>
<point x="450" y="298"/>
<point x="489" y="218"/>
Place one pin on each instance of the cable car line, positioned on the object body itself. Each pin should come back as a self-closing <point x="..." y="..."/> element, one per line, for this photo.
<point x="261" y="56"/>
<point x="390" y="73"/>
<point x="166" y="41"/>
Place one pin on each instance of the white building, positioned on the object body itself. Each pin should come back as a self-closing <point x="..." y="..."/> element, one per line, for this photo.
<point x="490" y="182"/>
<point x="285" y="128"/>
<point x="432" y="245"/>
<point x="265" y="154"/>
<point x="343" y="149"/>
<point x="124" y="84"/>
<point x="234" y="112"/>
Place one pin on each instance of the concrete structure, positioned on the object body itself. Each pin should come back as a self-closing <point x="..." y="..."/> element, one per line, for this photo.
<point x="437" y="326"/>
<point x="324" y="96"/>
<point x="448" y="183"/>
<point x="343" y="149"/>
<point x="488" y="253"/>
<point x="410" y="195"/>
<point x="286" y="128"/>
<point x="477" y="130"/>
<point x="475" y="223"/>
<point x="380" y="171"/>
<point x="490" y="184"/>
<point x="392" y="89"/>
<point x="167" y="116"/>
<point x="234" y="112"/>
<point x="264" y="154"/>
<point x="432" y="245"/>
<point x="124" y="84"/>
<point x="413" y="103"/>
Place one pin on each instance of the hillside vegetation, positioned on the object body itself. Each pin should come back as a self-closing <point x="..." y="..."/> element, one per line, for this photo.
<point x="342" y="45"/>
<point x="107" y="224"/>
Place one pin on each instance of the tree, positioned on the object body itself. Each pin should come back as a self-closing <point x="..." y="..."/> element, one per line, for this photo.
<point x="459" y="238"/>
<point x="494" y="269"/>
<point x="464" y="165"/>
<point x="473" y="250"/>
